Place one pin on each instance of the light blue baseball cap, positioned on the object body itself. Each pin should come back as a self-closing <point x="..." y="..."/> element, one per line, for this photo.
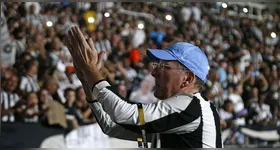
<point x="187" y="54"/>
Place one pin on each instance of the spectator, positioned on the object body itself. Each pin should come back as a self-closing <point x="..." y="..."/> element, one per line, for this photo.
<point x="72" y="114"/>
<point x="144" y="94"/>
<point x="103" y="44"/>
<point x="259" y="112"/>
<point x="51" y="85"/>
<point x="239" y="108"/>
<point x="83" y="108"/>
<point x="29" y="82"/>
<point x="9" y="99"/>
<point x="31" y="112"/>
<point x="215" y="91"/>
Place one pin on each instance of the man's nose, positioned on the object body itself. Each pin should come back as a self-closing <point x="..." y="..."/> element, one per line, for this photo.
<point x="154" y="72"/>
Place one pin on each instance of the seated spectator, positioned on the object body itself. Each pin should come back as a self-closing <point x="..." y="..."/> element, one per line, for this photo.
<point x="51" y="85"/>
<point x="44" y="103"/>
<point x="71" y="110"/>
<point x="259" y="112"/>
<point x="227" y="114"/>
<point x="238" y="103"/>
<point x="88" y="116"/>
<point x="229" y="121"/>
<point x="31" y="112"/>
<point x="144" y="94"/>
<point x="235" y="76"/>
<point x="52" y="112"/>
<point x="28" y="82"/>
<point x="9" y="98"/>
<point x="215" y="91"/>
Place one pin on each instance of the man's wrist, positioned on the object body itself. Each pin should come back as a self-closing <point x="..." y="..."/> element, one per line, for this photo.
<point x="93" y="76"/>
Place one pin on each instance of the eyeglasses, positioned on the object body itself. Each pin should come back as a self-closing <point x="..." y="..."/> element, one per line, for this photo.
<point x="161" y="65"/>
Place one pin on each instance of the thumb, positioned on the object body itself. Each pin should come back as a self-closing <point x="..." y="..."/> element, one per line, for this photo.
<point x="100" y="58"/>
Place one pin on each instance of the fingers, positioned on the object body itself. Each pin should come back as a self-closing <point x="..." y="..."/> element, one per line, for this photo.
<point x="69" y="41"/>
<point x="79" y="35"/>
<point x="100" y="58"/>
<point x="91" y="44"/>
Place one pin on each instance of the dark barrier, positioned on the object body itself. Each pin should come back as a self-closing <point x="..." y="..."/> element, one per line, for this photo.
<point x="23" y="135"/>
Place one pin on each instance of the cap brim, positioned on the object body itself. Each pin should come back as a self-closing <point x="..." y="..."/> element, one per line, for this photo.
<point x="157" y="54"/>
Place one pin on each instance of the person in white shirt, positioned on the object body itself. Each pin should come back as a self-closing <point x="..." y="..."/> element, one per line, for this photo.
<point x="144" y="94"/>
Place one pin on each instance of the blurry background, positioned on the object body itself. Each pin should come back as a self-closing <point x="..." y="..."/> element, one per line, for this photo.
<point x="44" y="105"/>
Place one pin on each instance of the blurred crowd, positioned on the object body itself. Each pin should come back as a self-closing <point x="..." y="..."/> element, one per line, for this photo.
<point x="38" y="82"/>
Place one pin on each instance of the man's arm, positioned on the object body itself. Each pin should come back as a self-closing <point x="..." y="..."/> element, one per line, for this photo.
<point x="161" y="117"/>
<point x="106" y="124"/>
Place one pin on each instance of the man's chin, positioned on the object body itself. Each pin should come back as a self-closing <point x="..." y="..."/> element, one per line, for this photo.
<point x="158" y="96"/>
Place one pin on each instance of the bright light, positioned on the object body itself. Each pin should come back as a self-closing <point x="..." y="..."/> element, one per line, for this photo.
<point x="224" y="5"/>
<point x="245" y="10"/>
<point x="168" y="17"/>
<point x="273" y="34"/>
<point x="140" y="26"/>
<point x="91" y="20"/>
<point x="49" y="23"/>
<point x="106" y="14"/>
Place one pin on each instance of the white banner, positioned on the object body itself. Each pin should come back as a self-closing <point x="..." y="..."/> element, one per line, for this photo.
<point x="91" y="136"/>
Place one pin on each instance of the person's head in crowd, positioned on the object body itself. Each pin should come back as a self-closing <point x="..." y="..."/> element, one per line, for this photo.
<point x="31" y="67"/>
<point x="32" y="9"/>
<point x="99" y="35"/>
<point x="146" y="86"/>
<point x="51" y="84"/>
<point x="230" y="88"/>
<point x="56" y="44"/>
<point x="12" y="23"/>
<point x="31" y="99"/>
<point x="121" y="89"/>
<point x="167" y="41"/>
<point x="266" y="70"/>
<point x="74" y="18"/>
<point x="23" y="59"/>
<point x="170" y="31"/>
<point x="176" y="70"/>
<point x="121" y="46"/>
<point x="262" y="98"/>
<point x="63" y="19"/>
<point x="238" y="89"/>
<point x="108" y="35"/>
<point x="80" y="93"/>
<point x="31" y="29"/>
<point x="70" y="96"/>
<point x="126" y="62"/>
<point x="236" y="66"/>
<point x="19" y="33"/>
<point x="254" y="93"/>
<point x="50" y="33"/>
<point x="39" y="38"/>
<point x="11" y="83"/>
<point x="214" y="75"/>
<point x="44" y="96"/>
<point x="228" y="106"/>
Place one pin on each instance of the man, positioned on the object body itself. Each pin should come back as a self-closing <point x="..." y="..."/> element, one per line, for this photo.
<point x="182" y="118"/>
<point x="28" y="82"/>
<point x="9" y="99"/>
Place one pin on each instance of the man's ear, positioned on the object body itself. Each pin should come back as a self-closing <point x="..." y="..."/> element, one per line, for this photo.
<point x="189" y="77"/>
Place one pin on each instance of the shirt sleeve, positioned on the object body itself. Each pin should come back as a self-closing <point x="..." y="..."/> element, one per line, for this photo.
<point x="166" y="116"/>
<point x="110" y="128"/>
